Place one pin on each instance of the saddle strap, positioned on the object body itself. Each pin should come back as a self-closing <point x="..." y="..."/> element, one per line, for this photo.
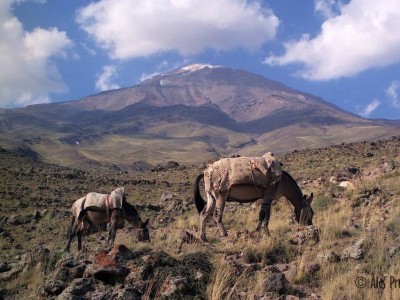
<point x="108" y="207"/>
<point x="253" y="167"/>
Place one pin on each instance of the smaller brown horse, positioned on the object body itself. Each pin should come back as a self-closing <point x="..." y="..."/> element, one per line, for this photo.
<point x="100" y="209"/>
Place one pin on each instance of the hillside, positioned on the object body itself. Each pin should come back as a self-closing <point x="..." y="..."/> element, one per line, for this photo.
<point x="356" y="207"/>
<point x="211" y="111"/>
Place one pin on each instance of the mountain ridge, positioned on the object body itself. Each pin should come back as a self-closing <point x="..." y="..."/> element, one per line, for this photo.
<point x="197" y="112"/>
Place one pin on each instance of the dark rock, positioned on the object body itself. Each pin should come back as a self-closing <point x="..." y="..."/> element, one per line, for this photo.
<point x="110" y="275"/>
<point x="54" y="287"/>
<point x="127" y="293"/>
<point x="4" y="267"/>
<point x="276" y="283"/>
<point x="175" y="286"/>
<point x="353" y="170"/>
<point x="369" y="154"/>
<point x="78" y="271"/>
<point x="77" y="289"/>
<point x="20" y="220"/>
<point x="125" y="274"/>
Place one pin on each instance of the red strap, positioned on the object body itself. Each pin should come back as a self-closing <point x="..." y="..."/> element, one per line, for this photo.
<point x="108" y="202"/>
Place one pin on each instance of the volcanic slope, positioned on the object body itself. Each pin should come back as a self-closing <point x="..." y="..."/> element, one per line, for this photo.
<point x="192" y="114"/>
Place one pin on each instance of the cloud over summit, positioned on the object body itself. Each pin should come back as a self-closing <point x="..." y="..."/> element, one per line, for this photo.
<point x="129" y="29"/>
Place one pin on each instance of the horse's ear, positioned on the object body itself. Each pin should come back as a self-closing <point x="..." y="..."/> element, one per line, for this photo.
<point x="310" y="199"/>
<point x="145" y="223"/>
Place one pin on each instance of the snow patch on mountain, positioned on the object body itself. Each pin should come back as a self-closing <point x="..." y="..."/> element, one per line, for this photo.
<point x="197" y="67"/>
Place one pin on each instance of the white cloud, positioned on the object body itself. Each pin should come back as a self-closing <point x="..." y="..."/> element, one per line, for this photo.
<point x="128" y="29"/>
<point x="27" y="73"/>
<point x="370" y="108"/>
<point x="105" y="81"/>
<point x="43" y="43"/>
<point x="327" y="8"/>
<point x="364" y="35"/>
<point x="392" y="93"/>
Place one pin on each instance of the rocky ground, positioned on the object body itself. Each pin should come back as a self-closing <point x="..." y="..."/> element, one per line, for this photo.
<point x="354" y="241"/>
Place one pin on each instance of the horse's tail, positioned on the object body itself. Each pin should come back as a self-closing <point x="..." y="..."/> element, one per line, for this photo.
<point x="81" y="215"/>
<point x="198" y="200"/>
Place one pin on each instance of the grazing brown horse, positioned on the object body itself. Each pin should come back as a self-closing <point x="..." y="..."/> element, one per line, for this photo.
<point x="284" y="185"/>
<point x="100" y="209"/>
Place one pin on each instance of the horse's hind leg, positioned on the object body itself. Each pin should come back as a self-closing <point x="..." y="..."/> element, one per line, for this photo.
<point x="264" y="215"/>
<point x="79" y="235"/>
<point x="206" y="212"/>
<point x="113" y="228"/>
<point x="219" y="211"/>
<point x="71" y="234"/>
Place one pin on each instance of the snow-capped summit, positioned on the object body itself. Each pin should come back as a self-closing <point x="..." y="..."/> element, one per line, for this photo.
<point x="196" y="67"/>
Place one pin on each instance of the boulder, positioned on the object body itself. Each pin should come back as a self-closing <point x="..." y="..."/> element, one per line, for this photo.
<point x="356" y="251"/>
<point x="387" y="166"/>
<point x="110" y="267"/>
<point x="328" y="256"/>
<point x="125" y="274"/>
<point x="77" y="289"/>
<point x="165" y="197"/>
<point x="347" y="185"/>
<point x="276" y="283"/>
<point x="304" y="234"/>
<point x="174" y="286"/>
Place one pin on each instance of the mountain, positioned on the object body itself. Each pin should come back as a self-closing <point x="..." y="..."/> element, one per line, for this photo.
<point x="192" y="114"/>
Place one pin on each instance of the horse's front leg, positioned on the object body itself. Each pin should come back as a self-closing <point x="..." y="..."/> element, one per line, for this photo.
<point x="206" y="212"/>
<point x="264" y="215"/>
<point x="113" y="228"/>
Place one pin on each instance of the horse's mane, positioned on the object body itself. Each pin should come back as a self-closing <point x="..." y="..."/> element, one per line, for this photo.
<point x="130" y="209"/>
<point x="293" y="181"/>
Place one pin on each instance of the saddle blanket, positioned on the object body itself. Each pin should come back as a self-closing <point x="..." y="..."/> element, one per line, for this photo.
<point x="114" y="200"/>
<point x="263" y="172"/>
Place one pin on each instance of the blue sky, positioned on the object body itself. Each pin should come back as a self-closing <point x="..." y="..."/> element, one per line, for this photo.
<point x="346" y="52"/>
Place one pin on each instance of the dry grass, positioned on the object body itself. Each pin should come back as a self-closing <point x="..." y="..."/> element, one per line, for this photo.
<point x="27" y="283"/>
<point x="343" y="217"/>
<point x="225" y="283"/>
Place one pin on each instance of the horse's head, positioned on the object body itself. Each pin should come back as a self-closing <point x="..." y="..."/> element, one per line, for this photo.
<point x="143" y="234"/>
<point x="305" y="214"/>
